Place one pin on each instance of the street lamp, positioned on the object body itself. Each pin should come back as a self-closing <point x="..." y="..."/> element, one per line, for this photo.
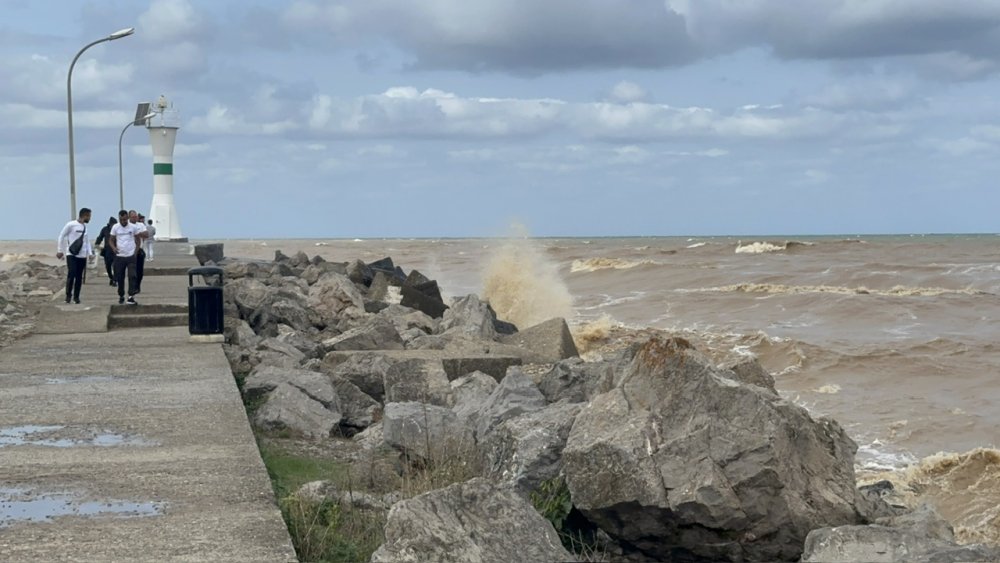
<point x="69" y="112"/>
<point x="121" y="183"/>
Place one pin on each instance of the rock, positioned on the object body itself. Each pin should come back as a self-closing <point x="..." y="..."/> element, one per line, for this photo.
<point x="379" y="288"/>
<point x="750" y="371"/>
<point x="475" y="521"/>
<point x="416" y="278"/>
<point x="370" y="438"/>
<point x="359" y="409"/>
<point x="495" y="366"/>
<point x="238" y="269"/>
<point x="240" y="334"/>
<point x="312" y="274"/>
<point x="265" y="379"/>
<point x="418" y="380"/>
<point x="425" y="298"/>
<point x="424" y="431"/>
<point x="682" y="462"/>
<point x="547" y="342"/>
<point x="206" y="253"/>
<point x="288" y="408"/>
<point x="331" y="297"/>
<point x="470" y="392"/>
<point x="872" y="503"/>
<point x="470" y="317"/>
<point x="921" y="536"/>
<point x="273" y="345"/>
<point x="377" y="334"/>
<point x="250" y="295"/>
<point x="327" y="491"/>
<point x="501" y="327"/>
<point x="282" y="269"/>
<point x="360" y="273"/>
<point x="405" y="318"/>
<point x="291" y="313"/>
<point x="577" y="381"/>
<point x="516" y="395"/>
<point x="309" y="347"/>
<point x="386" y="266"/>
<point x="280" y="256"/>
<point x="300" y="260"/>
<point x="527" y="450"/>
<point x="366" y="371"/>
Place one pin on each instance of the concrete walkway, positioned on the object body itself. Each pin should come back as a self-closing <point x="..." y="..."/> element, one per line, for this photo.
<point x="129" y="445"/>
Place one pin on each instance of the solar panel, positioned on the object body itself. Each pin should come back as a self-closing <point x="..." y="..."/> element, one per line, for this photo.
<point x="141" y="111"/>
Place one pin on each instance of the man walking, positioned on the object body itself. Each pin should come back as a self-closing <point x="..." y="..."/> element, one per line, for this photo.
<point x="140" y="254"/>
<point x="150" y="242"/>
<point x="106" y="252"/>
<point x="124" y="242"/>
<point x="74" y="244"/>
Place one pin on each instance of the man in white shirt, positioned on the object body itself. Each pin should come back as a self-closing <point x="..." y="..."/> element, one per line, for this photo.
<point x="75" y="245"/>
<point x="124" y="243"/>
<point x="150" y="242"/>
<point x="140" y="254"/>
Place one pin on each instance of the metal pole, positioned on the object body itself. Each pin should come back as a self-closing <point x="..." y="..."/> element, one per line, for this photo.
<point x="69" y="114"/>
<point x="121" y="184"/>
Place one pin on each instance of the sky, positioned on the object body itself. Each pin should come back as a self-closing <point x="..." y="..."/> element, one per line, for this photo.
<point x="453" y="118"/>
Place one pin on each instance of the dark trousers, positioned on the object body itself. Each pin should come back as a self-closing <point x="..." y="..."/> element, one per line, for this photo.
<point x="140" y="263"/>
<point x="74" y="276"/>
<point x="109" y="259"/>
<point x="121" y="265"/>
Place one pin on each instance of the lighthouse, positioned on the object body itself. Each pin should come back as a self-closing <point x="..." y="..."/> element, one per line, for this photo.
<point x="162" y="136"/>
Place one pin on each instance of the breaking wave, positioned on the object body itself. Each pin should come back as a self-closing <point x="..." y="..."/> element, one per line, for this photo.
<point x="765" y="247"/>
<point x="774" y="288"/>
<point x="597" y="264"/>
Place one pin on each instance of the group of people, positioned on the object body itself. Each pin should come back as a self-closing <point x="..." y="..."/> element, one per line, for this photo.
<point x="128" y="243"/>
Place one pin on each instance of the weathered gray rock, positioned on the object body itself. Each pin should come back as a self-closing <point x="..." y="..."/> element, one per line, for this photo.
<point x="681" y="461"/>
<point x="240" y="334"/>
<point x="312" y="273"/>
<point x="281" y="270"/>
<point x="424" y="431"/>
<point x="516" y="395"/>
<point x="370" y="438"/>
<point x="288" y="408"/>
<point x="472" y="522"/>
<point x="405" y="318"/>
<point x="299" y="339"/>
<point x="750" y="371"/>
<point x="921" y="536"/>
<point x="577" y="381"/>
<point x="206" y="253"/>
<point x="275" y="346"/>
<point x="238" y="269"/>
<point x="300" y="260"/>
<point x="359" y="273"/>
<point x="378" y="334"/>
<point x="470" y="393"/>
<point x="330" y="297"/>
<point x="327" y="491"/>
<point x="359" y="409"/>
<point x="265" y="379"/>
<point x="418" y="380"/>
<point x="547" y="342"/>
<point x="365" y="370"/>
<point x="249" y="295"/>
<point x="379" y="289"/>
<point x="425" y="298"/>
<point x="280" y="256"/>
<point x="527" y="450"/>
<point x="468" y="316"/>
<point x="291" y="313"/>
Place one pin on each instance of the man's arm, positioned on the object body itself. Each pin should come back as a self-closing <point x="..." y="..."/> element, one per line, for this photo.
<point x="60" y="243"/>
<point x="112" y="242"/>
<point x="103" y="234"/>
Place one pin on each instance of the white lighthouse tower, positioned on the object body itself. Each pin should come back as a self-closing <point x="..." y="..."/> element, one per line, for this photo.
<point x="162" y="135"/>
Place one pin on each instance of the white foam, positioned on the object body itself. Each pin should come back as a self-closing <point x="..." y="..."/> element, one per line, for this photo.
<point x="696" y="245"/>
<point x="758" y="248"/>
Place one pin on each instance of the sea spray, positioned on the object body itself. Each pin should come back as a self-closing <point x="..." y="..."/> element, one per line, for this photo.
<point x="594" y="333"/>
<point x="522" y="285"/>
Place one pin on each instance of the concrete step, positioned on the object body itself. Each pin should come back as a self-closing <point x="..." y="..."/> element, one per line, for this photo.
<point x="142" y="309"/>
<point x="146" y="320"/>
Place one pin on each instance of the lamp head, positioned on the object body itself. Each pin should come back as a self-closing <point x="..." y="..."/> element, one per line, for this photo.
<point x="121" y="33"/>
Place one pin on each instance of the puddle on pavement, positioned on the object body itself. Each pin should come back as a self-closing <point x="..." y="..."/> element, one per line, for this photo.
<point x="65" y="437"/>
<point x="26" y="505"/>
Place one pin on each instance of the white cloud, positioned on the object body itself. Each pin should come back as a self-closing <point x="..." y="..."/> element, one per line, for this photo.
<point x="626" y="91"/>
<point x="24" y="116"/>
<point x="167" y="21"/>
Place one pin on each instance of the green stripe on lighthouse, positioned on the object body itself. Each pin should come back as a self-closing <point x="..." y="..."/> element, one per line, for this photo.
<point x="163" y="168"/>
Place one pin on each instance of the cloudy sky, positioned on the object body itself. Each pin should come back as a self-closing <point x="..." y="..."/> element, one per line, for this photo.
<point x="366" y="118"/>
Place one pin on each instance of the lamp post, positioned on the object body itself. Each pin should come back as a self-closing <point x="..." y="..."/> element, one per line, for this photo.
<point x="69" y="113"/>
<point x="121" y="183"/>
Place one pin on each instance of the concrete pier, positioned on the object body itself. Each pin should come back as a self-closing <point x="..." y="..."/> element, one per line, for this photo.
<point x="129" y="444"/>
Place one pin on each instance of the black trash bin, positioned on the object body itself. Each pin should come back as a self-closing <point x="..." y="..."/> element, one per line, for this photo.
<point x="205" y="311"/>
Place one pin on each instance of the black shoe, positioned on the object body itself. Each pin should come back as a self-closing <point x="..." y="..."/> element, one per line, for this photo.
<point x="67" y="300"/>
<point x="121" y="300"/>
<point x="77" y="301"/>
<point x="112" y="283"/>
<point x="131" y="301"/>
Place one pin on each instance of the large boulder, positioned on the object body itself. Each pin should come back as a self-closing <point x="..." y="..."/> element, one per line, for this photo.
<point x="681" y="461"/>
<point x="291" y="313"/>
<point x="418" y="380"/>
<point x="749" y="371"/>
<point x="263" y="380"/>
<point x="249" y="294"/>
<point x="377" y="334"/>
<point x="206" y="253"/>
<point x="425" y="432"/>
<point x="366" y="371"/>
<point x="405" y="318"/>
<point x="577" y="381"/>
<point x="300" y="340"/>
<point x="425" y="297"/>
<point x="516" y="395"/>
<point x="527" y="450"/>
<point x="359" y="273"/>
<point x="279" y="353"/>
<point x="289" y="408"/>
<point x="470" y="393"/>
<point x="359" y="409"/>
<point x="921" y="536"/>
<point x="331" y="296"/>
<point x="547" y="342"/>
<point x="379" y="288"/>
<point x="468" y="316"/>
<point x="472" y="522"/>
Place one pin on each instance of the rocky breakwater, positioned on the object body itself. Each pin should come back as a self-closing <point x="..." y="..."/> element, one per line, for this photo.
<point x="24" y="288"/>
<point x="651" y="453"/>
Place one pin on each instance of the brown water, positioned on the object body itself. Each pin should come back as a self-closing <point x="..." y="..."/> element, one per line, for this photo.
<point x="895" y="337"/>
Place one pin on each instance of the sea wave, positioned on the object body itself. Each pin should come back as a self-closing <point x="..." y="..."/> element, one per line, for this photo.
<point x="775" y="288"/>
<point x="597" y="264"/>
<point x="764" y="247"/>
<point x="964" y="487"/>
